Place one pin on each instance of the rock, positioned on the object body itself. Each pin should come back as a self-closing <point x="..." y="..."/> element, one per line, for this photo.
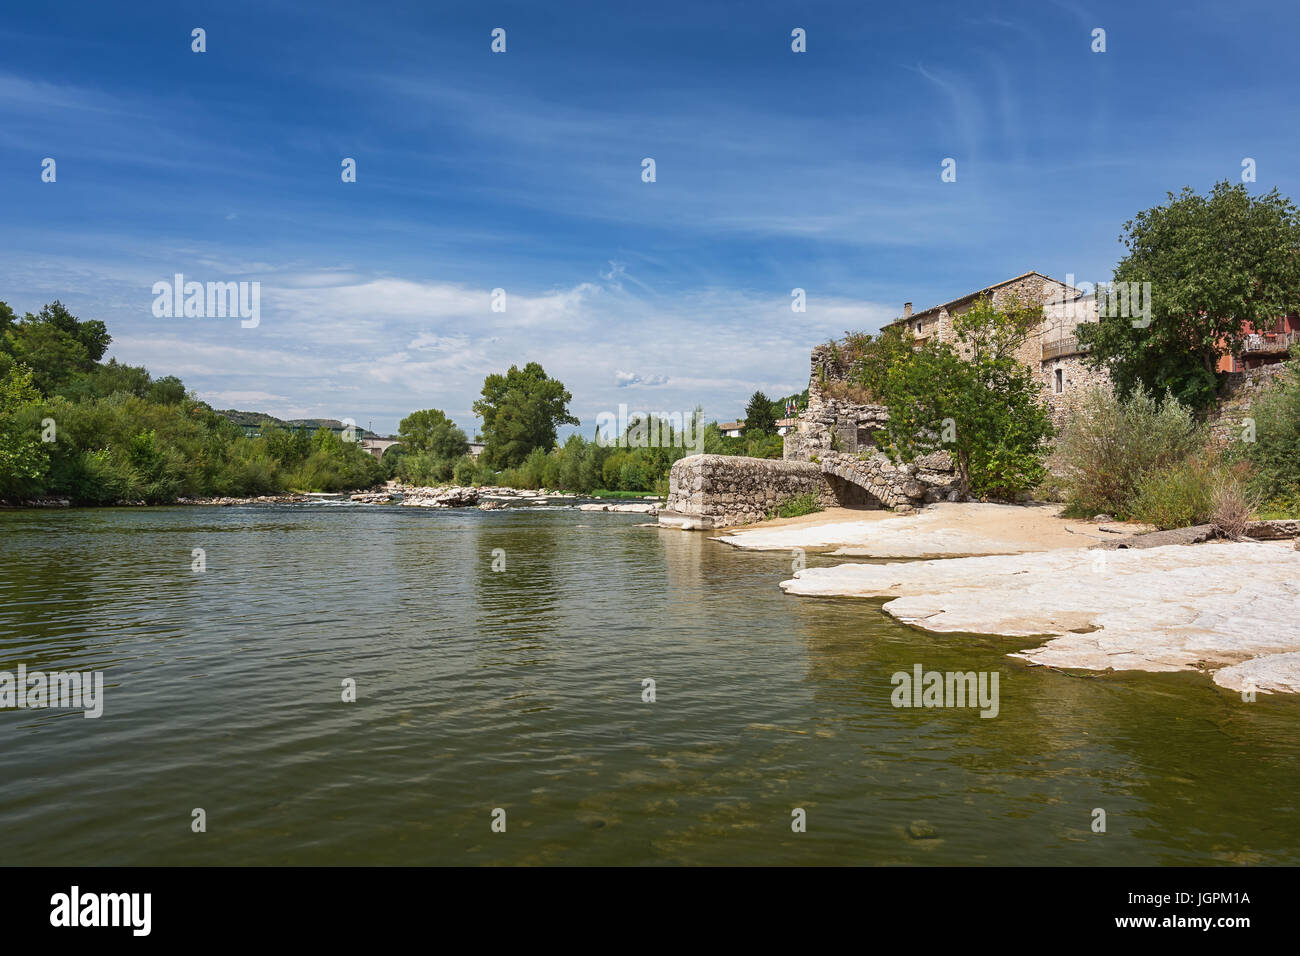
<point x="922" y="830"/>
<point x="1101" y="518"/>
<point x="1273" y="529"/>
<point x="1168" y="608"/>
<point x="372" y="498"/>
<point x="1273" y="673"/>
<point x="1132" y="527"/>
<point x="441" y="497"/>
<point x="1198" y="534"/>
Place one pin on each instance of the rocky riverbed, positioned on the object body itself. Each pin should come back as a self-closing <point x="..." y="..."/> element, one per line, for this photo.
<point x="1224" y="607"/>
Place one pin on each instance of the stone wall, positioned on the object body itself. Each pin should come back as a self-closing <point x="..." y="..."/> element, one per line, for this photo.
<point x="718" y="491"/>
<point x="1227" y="422"/>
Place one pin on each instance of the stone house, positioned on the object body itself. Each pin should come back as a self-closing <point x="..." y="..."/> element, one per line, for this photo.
<point x="1051" y="350"/>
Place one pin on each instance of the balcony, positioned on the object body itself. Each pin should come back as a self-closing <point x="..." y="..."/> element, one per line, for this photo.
<point x="1270" y="342"/>
<point x="1065" y="346"/>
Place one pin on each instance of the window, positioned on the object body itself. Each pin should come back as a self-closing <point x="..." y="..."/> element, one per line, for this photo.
<point x="1060" y="381"/>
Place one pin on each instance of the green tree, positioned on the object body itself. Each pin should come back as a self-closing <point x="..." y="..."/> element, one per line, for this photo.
<point x="429" y="430"/>
<point x="521" y="411"/>
<point x="974" y="400"/>
<point x="54" y="344"/>
<point x="1215" y="263"/>
<point x="23" y="456"/>
<point x="759" y="419"/>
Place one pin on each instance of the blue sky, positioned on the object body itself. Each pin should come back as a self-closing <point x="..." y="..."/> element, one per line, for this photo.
<point x="522" y="171"/>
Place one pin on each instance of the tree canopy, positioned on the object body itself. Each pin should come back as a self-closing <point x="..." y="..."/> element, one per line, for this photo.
<point x="521" y="410"/>
<point x="1214" y="263"/>
<point x="974" y="400"/>
<point x="430" y="430"/>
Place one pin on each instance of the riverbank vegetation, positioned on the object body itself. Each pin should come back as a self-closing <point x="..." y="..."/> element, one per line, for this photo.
<point x="1152" y="460"/>
<point x="636" y="462"/>
<point x="75" y="428"/>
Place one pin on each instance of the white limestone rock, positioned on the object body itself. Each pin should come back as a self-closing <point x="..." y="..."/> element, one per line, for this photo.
<point x="1178" y="607"/>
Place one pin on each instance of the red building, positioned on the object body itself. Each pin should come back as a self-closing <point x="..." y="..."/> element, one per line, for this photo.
<point x="1264" y="348"/>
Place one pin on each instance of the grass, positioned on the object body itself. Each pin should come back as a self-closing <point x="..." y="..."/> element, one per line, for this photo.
<point x="606" y="493"/>
<point x="805" y="504"/>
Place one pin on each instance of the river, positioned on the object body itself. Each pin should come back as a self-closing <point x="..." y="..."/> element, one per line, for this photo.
<point x="522" y="689"/>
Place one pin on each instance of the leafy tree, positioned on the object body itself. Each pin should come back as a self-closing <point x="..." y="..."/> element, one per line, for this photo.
<point x="759" y="419"/>
<point x="54" y="344"/>
<point x="168" y="390"/>
<point x="975" y="401"/>
<point x="521" y="411"/>
<point x="866" y="359"/>
<point x="23" y="456"/>
<point x="1214" y="263"/>
<point x="432" y="431"/>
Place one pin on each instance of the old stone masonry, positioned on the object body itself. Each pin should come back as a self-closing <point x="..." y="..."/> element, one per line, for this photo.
<point x="831" y="453"/>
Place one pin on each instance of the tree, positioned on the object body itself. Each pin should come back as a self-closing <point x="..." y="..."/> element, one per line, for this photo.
<point x="23" y="457"/>
<point x="430" y="430"/>
<point x="759" y="419"/>
<point x="975" y="401"/>
<point x="55" y="345"/>
<point x="866" y="359"/>
<point x="1214" y="263"/>
<point x="521" y="410"/>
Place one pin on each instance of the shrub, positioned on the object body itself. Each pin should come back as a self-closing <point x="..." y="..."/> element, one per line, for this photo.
<point x="1109" y="445"/>
<point x="804" y="504"/>
<point x="1275" y="451"/>
<point x="1234" y="502"/>
<point x="1176" y="496"/>
<point x="1202" y="489"/>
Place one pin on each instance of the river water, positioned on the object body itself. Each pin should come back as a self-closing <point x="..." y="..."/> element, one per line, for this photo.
<point x="522" y="690"/>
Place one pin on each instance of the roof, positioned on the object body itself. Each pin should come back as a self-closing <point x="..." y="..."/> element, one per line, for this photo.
<point x="972" y="295"/>
<point x="731" y="426"/>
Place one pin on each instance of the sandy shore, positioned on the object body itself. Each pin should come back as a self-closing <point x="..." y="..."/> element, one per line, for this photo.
<point x="941" y="530"/>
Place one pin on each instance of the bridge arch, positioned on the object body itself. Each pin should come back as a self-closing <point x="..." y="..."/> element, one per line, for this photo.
<point x="377" y="446"/>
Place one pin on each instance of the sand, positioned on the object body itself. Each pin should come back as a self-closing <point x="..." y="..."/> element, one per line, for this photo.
<point x="941" y="530"/>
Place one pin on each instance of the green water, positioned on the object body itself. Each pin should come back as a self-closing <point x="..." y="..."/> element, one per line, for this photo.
<point x="522" y="690"/>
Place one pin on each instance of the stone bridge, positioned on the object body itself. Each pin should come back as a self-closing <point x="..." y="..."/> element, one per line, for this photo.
<point x="377" y="446"/>
<point x="719" y="491"/>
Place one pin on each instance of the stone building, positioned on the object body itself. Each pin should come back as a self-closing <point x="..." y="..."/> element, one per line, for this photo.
<point x="1051" y="350"/>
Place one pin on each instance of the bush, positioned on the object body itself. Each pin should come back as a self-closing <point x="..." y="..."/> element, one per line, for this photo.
<point x="1234" y="503"/>
<point x="1202" y="489"/>
<point x="804" y="504"/>
<point x="1109" y="445"/>
<point x="1275" y="452"/>
<point x="1175" y="497"/>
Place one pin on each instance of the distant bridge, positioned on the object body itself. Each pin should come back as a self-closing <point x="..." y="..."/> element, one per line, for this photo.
<point x="377" y="446"/>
